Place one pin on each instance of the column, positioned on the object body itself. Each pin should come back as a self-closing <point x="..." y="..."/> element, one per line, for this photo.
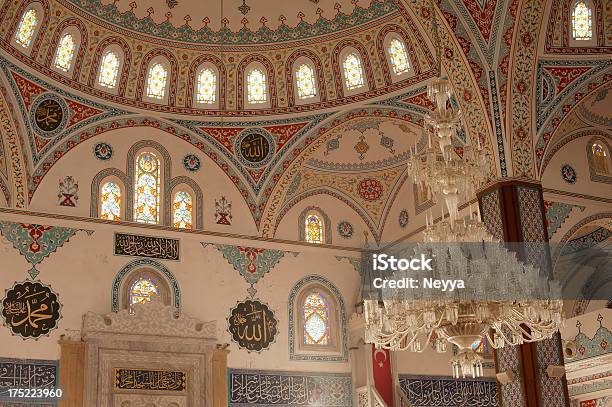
<point x="71" y="373"/>
<point x="219" y="379"/>
<point x="514" y="212"/>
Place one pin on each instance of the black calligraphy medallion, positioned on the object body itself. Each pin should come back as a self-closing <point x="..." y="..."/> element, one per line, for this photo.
<point x="31" y="309"/>
<point x="254" y="147"/>
<point x="49" y="115"/>
<point x="252" y="325"/>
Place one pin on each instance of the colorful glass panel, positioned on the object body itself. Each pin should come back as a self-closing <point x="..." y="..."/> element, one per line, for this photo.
<point x="314" y="229"/>
<point x="156" y="81"/>
<point x="398" y="56"/>
<point x="353" y="72"/>
<point x="110" y="205"/>
<point x="182" y="210"/>
<point x="480" y="346"/>
<point x="109" y="70"/>
<point x="316" y="319"/>
<point x="305" y="79"/>
<point x="256" y="87"/>
<point x="147" y="189"/>
<point x="65" y="53"/>
<point x="207" y="86"/>
<point x="26" y="28"/>
<point x="582" y="21"/>
<point x="143" y="290"/>
<point x="600" y="159"/>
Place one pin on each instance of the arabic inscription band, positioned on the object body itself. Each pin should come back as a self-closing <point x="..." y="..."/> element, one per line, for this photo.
<point x="147" y="246"/>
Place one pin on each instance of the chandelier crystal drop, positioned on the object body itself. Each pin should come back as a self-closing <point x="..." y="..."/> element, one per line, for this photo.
<point x="505" y="301"/>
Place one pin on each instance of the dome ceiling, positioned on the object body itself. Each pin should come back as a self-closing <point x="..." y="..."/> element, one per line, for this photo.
<point x="236" y="22"/>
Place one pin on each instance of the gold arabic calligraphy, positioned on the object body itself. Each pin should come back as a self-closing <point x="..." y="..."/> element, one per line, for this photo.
<point x="254" y="148"/>
<point x="252" y="325"/>
<point x="30" y="309"/>
<point x="146" y="246"/>
<point x="137" y="379"/>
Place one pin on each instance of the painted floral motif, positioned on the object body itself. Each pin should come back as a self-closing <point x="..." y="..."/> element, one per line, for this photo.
<point x="35" y="242"/>
<point x="103" y="151"/>
<point x="345" y="229"/>
<point x="370" y="189"/>
<point x="68" y="194"/>
<point x="251" y="262"/>
<point x="223" y="211"/>
<point x="191" y="162"/>
<point x="568" y="173"/>
<point x="403" y="218"/>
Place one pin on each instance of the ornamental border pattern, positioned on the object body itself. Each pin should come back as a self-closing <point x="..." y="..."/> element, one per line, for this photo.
<point x="134" y="265"/>
<point x="293" y="320"/>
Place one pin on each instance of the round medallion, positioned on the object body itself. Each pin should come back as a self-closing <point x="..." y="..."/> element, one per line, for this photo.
<point x="370" y="189"/>
<point x="252" y="325"/>
<point x="345" y="229"/>
<point x="254" y="147"/>
<point x="49" y="115"/>
<point x="31" y="309"/>
<point x="103" y="151"/>
<point x="403" y="218"/>
<point x="191" y="162"/>
<point x="569" y="174"/>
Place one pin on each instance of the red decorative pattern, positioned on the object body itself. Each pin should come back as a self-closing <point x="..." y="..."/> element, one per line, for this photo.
<point x="285" y="132"/>
<point x="224" y="135"/>
<point x="370" y="189"/>
<point x="482" y="16"/>
<point x="79" y="112"/>
<point x="420" y="100"/>
<point x="27" y="89"/>
<point x="251" y="254"/>
<point x="565" y="75"/>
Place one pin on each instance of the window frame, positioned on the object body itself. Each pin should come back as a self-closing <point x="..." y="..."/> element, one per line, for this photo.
<point x="364" y="87"/>
<point x="294" y="77"/>
<point x="206" y="105"/>
<point x="115" y="48"/>
<point x="76" y="37"/>
<point x="582" y="43"/>
<point x="165" y="294"/>
<point x="390" y="37"/>
<point x="256" y="65"/>
<point x="161" y="170"/>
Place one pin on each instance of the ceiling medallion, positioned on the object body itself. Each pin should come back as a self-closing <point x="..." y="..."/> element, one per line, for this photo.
<point x="254" y="147"/>
<point x="192" y="162"/>
<point x="49" y="115"/>
<point x="103" y="151"/>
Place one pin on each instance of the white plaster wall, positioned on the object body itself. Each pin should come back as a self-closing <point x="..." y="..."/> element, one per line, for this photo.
<point x="83" y="270"/>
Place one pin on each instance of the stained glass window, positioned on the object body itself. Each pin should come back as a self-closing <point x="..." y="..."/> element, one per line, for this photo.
<point x="206" y="91"/>
<point x="110" y="201"/>
<point x="143" y="290"/>
<point x="582" y="21"/>
<point x="305" y="79"/>
<point x="182" y="210"/>
<point x="398" y="56"/>
<point x="26" y="28"/>
<point x="256" y="87"/>
<point x="156" y="81"/>
<point x="65" y="52"/>
<point x="316" y="319"/>
<point x="109" y="70"/>
<point x="147" y="189"/>
<point x="314" y="229"/>
<point x="353" y="72"/>
<point x="600" y="158"/>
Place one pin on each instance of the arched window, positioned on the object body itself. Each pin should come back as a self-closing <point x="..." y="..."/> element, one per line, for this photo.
<point x="156" y="81"/>
<point x="353" y="71"/>
<point x="313" y="228"/>
<point x="110" y="201"/>
<point x="582" y="21"/>
<point x="317" y="327"/>
<point x="27" y="27"/>
<point x="182" y="210"/>
<point x="398" y="56"/>
<point x="147" y="188"/>
<point x="256" y="86"/>
<point x="600" y="159"/>
<point x="206" y="86"/>
<point x="65" y="52"/>
<point x="305" y="81"/>
<point x="109" y="70"/>
<point x="316" y="319"/>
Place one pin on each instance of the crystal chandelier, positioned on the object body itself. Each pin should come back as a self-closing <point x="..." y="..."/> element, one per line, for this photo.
<point x="505" y="302"/>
